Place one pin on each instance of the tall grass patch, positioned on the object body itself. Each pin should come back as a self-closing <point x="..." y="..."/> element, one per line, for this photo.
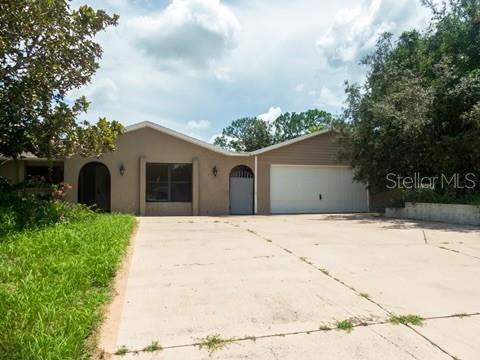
<point x="53" y="282"/>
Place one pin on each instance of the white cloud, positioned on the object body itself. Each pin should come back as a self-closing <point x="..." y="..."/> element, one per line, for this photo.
<point x="170" y="61"/>
<point x="327" y="97"/>
<point x="101" y="92"/>
<point x="201" y="124"/>
<point x="188" y="35"/>
<point x="271" y="114"/>
<point x="299" y="87"/>
<point x="222" y="73"/>
<point x="353" y="34"/>
<point x="213" y="137"/>
<point x="356" y="30"/>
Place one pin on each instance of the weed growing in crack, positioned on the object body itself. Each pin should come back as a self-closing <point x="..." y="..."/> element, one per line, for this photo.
<point x="325" y="271"/>
<point x="213" y="343"/>
<point x="364" y="295"/>
<point x="122" y="350"/>
<point x="154" y="346"/>
<point x="345" y="325"/>
<point x="409" y="319"/>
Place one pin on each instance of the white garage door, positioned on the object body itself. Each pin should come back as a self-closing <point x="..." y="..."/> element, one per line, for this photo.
<point x="315" y="189"/>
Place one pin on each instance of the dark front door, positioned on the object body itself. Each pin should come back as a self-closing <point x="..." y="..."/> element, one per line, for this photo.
<point x="94" y="186"/>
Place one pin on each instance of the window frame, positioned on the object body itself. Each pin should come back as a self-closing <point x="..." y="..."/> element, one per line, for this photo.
<point x="169" y="182"/>
<point x="58" y="172"/>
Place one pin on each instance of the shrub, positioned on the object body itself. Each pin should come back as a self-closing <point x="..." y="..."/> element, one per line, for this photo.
<point x="431" y="196"/>
<point x="20" y="209"/>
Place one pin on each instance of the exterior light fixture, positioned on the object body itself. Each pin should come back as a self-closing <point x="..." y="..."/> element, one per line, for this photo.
<point x="122" y="170"/>
<point x="215" y="171"/>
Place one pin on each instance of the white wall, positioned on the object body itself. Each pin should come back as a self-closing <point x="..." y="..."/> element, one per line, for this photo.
<point x="449" y="213"/>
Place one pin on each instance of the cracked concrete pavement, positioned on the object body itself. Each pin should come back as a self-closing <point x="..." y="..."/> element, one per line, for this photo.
<point x="277" y="285"/>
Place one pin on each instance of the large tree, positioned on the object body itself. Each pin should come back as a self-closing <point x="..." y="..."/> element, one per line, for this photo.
<point x="245" y="134"/>
<point x="291" y="125"/>
<point x="48" y="49"/>
<point x="253" y="133"/>
<point x="419" y="109"/>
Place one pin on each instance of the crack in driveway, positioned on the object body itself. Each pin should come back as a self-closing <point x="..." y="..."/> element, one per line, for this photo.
<point x="447" y="248"/>
<point x="400" y="338"/>
<point x="350" y="287"/>
<point x="321" y="329"/>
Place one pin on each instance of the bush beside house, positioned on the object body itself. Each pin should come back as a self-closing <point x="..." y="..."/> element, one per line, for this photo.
<point x="57" y="261"/>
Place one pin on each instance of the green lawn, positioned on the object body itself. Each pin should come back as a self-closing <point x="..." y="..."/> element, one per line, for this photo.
<point x="53" y="282"/>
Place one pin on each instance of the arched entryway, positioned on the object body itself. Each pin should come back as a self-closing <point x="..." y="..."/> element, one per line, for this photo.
<point x="241" y="190"/>
<point x="94" y="186"/>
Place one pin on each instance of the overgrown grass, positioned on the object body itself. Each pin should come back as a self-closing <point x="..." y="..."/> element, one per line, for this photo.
<point x="54" y="280"/>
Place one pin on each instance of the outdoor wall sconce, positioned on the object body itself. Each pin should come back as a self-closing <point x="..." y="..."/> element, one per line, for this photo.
<point x="215" y="171"/>
<point x="122" y="170"/>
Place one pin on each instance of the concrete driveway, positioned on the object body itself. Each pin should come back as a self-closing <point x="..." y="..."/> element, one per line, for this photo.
<point x="275" y="287"/>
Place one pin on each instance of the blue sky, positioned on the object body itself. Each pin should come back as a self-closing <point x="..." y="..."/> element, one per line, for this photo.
<point x="196" y="65"/>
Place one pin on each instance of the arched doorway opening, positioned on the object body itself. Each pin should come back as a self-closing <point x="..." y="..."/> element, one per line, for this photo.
<point x="241" y="190"/>
<point x="94" y="186"/>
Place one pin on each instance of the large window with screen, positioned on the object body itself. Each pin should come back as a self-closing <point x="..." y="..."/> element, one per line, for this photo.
<point x="168" y="182"/>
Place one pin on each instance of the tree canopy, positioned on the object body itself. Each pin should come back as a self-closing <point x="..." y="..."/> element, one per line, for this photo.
<point x="419" y="109"/>
<point x="252" y="133"/>
<point x="46" y="50"/>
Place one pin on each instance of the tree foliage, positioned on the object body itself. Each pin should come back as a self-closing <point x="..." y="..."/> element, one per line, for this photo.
<point x="291" y="125"/>
<point x="245" y="134"/>
<point x="419" y="109"/>
<point x="46" y="50"/>
<point x="252" y="133"/>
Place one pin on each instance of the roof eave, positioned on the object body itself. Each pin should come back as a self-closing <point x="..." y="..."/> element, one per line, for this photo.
<point x="291" y="141"/>
<point x="192" y="140"/>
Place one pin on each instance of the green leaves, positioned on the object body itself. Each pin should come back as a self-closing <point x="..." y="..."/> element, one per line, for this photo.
<point x="245" y="134"/>
<point x="418" y="109"/>
<point x="47" y="50"/>
<point x="291" y="125"/>
<point x="251" y="133"/>
<point x="94" y="140"/>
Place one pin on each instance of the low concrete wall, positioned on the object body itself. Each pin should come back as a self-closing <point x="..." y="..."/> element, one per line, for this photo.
<point x="450" y="213"/>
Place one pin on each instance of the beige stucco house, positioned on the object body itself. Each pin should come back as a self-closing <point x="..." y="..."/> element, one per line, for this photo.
<point x="158" y="171"/>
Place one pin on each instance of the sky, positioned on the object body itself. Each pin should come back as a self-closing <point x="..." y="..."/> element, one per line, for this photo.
<point x="196" y="65"/>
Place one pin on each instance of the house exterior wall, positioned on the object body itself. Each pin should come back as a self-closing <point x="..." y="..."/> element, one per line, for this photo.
<point x="148" y="145"/>
<point x="16" y="172"/>
<point x="9" y="170"/>
<point x="210" y="194"/>
<point x="317" y="150"/>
